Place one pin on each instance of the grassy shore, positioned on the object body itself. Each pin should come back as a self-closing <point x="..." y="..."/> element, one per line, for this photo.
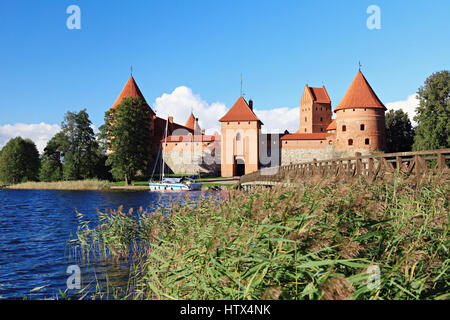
<point x="388" y="240"/>
<point x="103" y="185"/>
<point x="64" y="185"/>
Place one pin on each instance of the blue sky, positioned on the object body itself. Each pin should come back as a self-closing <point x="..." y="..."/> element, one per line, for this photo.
<point x="278" y="46"/>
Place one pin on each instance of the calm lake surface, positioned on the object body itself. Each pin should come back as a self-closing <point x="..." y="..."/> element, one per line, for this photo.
<point x="35" y="226"/>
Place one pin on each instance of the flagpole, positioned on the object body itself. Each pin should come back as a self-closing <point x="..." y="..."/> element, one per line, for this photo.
<point x="241" y="84"/>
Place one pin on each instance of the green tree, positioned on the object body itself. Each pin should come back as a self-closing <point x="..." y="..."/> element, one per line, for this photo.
<point x="433" y="113"/>
<point x="103" y="171"/>
<point x="51" y="166"/>
<point x="128" y="128"/>
<point x="78" y="146"/>
<point x="19" y="161"/>
<point x="399" y="131"/>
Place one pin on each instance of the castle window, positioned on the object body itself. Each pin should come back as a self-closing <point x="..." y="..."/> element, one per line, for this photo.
<point x="344" y="128"/>
<point x="353" y="109"/>
<point x="228" y="123"/>
<point x="238" y="137"/>
<point x="305" y="129"/>
<point x="321" y="129"/>
<point x="362" y="127"/>
<point x="350" y="142"/>
<point x="367" y="141"/>
<point x="321" y="119"/>
<point x="239" y="122"/>
<point x="249" y="122"/>
<point x="306" y="119"/>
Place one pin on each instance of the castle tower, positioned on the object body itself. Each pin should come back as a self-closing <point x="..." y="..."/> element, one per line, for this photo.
<point x="131" y="89"/>
<point x="315" y="110"/>
<point x="240" y="139"/>
<point x="360" y="118"/>
<point x="192" y="123"/>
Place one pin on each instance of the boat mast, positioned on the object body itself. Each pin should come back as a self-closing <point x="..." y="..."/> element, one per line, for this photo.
<point x="165" y="141"/>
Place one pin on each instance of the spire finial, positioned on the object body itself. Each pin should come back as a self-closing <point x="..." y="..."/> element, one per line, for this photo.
<point x="241" y="84"/>
<point x="359" y="65"/>
<point x="131" y="70"/>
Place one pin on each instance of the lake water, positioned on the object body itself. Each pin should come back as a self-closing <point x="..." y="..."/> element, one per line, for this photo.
<point x="35" y="226"/>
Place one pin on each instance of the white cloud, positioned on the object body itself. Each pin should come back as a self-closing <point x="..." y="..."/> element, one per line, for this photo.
<point x="278" y="120"/>
<point x="38" y="133"/>
<point x="409" y="106"/>
<point x="182" y="100"/>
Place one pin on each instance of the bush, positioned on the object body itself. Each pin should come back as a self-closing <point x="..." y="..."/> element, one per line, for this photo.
<point x="307" y="242"/>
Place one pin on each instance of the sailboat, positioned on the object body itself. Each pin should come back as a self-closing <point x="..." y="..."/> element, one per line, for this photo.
<point x="172" y="184"/>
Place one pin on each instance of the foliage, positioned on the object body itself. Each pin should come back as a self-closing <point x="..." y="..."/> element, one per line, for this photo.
<point x="286" y="243"/>
<point x="19" y="161"/>
<point x="74" y="153"/>
<point x="399" y="132"/>
<point x="78" y="146"/>
<point x="433" y="114"/>
<point x="51" y="168"/>
<point x="129" y="132"/>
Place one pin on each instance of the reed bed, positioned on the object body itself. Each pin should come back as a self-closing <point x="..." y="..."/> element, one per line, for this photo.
<point x="387" y="240"/>
<point x="64" y="185"/>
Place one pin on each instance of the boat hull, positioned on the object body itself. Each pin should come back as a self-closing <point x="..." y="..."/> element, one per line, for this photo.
<point x="174" y="187"/>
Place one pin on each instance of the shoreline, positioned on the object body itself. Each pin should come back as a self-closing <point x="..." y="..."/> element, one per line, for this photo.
<point x="98" y="185"/>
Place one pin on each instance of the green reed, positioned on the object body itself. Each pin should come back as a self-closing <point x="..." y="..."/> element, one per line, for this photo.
<point x="305" y="242"/>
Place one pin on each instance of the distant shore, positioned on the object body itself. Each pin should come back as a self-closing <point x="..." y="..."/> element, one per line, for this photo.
<point x="62" y="185"/>
<point x="92" y="185"/>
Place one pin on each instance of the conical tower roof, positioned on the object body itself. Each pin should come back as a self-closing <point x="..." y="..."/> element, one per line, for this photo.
<point x="240" y="111"/>
<point x="192" y="123"/>
<point x="360" y="95"/>
<point x="131" y="89"/>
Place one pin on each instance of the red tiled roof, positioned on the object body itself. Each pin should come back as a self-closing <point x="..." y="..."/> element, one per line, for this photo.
<point x="305" y="136"/>
<point x="131" y="89"/>
<point x="319" y="95"/>
<point x="240" y="111"/>
<point x="160" y="128"/>
<point x="360" y="95"/>
<point x="192" y="123"/>
<point x="332" y="125"/>
<point x="192" y="138"/>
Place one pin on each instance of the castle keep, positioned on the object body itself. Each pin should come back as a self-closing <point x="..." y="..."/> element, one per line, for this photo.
<point x="241" y="148"/>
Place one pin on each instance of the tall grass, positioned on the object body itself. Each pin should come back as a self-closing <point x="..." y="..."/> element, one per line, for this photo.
<point x="64" y="185"/>
<point x="306" y="242"/>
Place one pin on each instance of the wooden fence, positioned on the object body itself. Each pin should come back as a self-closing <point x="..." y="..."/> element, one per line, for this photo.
<point x="368" y="167"/>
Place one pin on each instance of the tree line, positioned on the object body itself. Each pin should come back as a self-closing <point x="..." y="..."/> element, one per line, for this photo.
<point x="122" y="149"/>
